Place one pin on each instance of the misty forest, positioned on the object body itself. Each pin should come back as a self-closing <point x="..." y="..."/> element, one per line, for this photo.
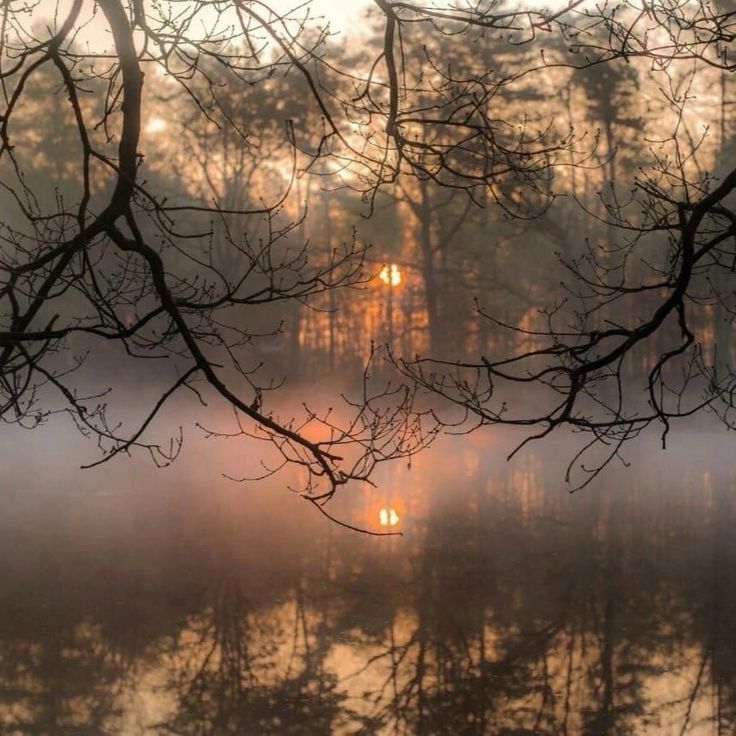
<point x="366" y="367"/>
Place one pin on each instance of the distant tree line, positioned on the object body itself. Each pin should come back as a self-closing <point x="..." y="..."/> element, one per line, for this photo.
<point x="221" y="197"/>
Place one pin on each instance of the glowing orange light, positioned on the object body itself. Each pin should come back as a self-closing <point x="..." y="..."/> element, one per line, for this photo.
<point x="388" y="517"/>
<point x="390" y="275"/>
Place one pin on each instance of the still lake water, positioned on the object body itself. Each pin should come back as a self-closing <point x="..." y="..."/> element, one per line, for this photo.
<point x="136" y="601"/>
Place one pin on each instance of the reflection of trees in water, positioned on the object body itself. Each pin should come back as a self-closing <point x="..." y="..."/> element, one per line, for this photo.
<point x="232" y="673"/>
<point x="526" y="621"/>
<point x="505" y="609"/>
<point x="65" y="681"/>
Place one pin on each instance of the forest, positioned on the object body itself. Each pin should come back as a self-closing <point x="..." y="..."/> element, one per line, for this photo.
<point x="456" y="216"/>
<point x="333" y="303"/>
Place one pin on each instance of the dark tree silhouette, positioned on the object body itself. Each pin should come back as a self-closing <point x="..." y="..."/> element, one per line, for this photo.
<point x="183" y="273"/>
<point x="114" y="258"/>
<point x="668" y="235"/>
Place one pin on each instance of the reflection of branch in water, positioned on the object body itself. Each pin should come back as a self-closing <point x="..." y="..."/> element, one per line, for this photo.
<point x="436" y="675"/>
<point x="508" y="613"/>
<point x="572" y="653"/>
<point x="67" y="679"/>
<point x="228" y="669"/>
<point x="695" y="691"/>
<point x="568" y="678"/>
<point x="217" y="674"/>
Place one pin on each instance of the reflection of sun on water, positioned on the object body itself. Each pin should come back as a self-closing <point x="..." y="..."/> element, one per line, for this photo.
<point x="388" y="517"/>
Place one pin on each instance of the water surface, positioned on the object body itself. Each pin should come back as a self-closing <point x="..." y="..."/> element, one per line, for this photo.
<point x="136" y="601"/>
